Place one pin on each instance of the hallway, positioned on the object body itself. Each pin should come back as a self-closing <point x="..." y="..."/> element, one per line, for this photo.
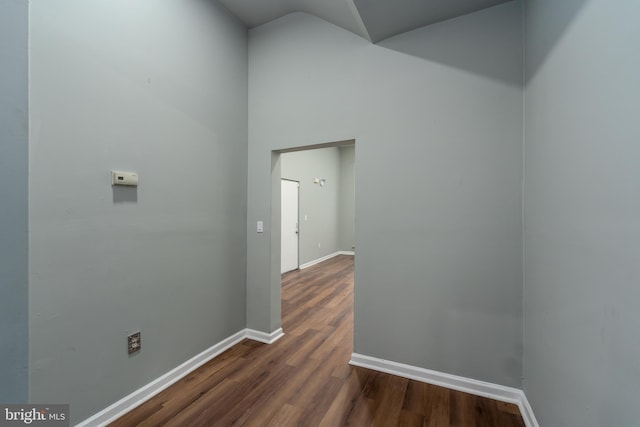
<point x="305" y="379"/>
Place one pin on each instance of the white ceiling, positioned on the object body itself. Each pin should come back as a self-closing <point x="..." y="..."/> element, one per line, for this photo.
<point x="374" y="20"/>
<point x="257" y="12"/>
<point x="387" y="18"/>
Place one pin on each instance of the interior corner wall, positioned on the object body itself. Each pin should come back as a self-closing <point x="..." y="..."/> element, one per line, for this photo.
<point x="14" y="138"/>
<point x="437" y="118"/>
<point x="158" y="88"/>
<point x="318" y="205"/>
<point x="582" y="212"/>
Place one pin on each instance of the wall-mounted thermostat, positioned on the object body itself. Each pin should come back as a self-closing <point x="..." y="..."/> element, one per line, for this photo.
<point x="124" y="178"/>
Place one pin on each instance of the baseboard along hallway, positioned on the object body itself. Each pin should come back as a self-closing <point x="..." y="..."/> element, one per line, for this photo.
<point x="304" y="378"/>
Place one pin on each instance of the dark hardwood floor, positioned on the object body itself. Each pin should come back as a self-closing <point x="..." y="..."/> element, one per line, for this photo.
<point x="304" y="379"/>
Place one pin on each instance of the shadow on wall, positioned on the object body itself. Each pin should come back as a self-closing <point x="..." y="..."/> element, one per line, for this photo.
<point x="480" y="42"/>
<point x="488" y="43"/>
<point x="556" y="25"/>
<point x="123" y="195"/>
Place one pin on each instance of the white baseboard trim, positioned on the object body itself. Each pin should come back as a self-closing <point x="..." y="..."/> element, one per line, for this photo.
<point x="265" y="337"/>
<point x="319" y="260"/>
<point x="527" y="412"/>
<point x="454" y="382"/>
<point x="324" y="258"/>
<point x="138" y="397"/>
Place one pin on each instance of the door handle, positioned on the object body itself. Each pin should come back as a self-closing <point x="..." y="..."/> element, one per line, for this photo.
<point x="296" y="228"/>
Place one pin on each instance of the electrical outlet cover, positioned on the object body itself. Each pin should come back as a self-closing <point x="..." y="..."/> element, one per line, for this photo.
<point x="134" y="342"/>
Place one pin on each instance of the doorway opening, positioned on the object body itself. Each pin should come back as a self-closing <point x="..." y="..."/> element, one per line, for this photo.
<point x="313" y="206"/>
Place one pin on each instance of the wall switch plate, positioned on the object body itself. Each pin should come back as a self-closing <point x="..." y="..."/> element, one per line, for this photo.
<point x="260" y="227"/>
<point x="134" y="342"/>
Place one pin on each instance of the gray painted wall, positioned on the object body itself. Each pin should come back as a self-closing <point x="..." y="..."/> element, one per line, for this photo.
<point x="582" y="212"/>
<point x="318" y="206"/>
<point x="14" y="138"/>
<point x="439" y="149"/>
<point x="346" y="202"/>
<point x="159" y="88"/>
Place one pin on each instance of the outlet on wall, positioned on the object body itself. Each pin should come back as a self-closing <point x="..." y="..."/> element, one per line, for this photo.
<point x="134" y="342"/>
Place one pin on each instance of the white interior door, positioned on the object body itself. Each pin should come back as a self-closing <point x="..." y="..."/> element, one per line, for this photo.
<point x="289" y="226"/>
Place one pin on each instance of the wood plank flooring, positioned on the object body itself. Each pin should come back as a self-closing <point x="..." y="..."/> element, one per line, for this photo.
<point x="304" y="379"/>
